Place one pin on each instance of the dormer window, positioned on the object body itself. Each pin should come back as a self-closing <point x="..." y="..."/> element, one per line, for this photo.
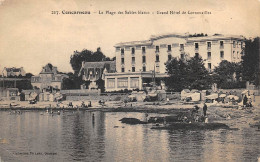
<point x="196" y="45"/>
<point x="221" y="44"/>
<point x="133" y="50"/>
<point x="169" y="48"/>
<point x="143" y="49"/>
<point x="157" y="49"/>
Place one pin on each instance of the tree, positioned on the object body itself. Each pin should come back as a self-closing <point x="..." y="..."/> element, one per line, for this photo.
<point x="86" y="55"/>
<point x="250" y="61"/>
<point x="28" y="75"/>
<point x="101" y="84"/>
<point x="198" y="76"/>
<point x="72" y="82"/>
<point x="189" y="74"/>
<point x="77" y="58"/>
<point x="50" y="65"/>
<point x="228" y="75"/>
<point x="176" y="70"/>
<point x="20" y="84"/>
<point x="113" y="58"/>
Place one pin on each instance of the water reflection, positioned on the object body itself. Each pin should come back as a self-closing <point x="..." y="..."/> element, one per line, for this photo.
<point x="77" y="136"/>
<point x="85" y="139"/>
<point x="186" y="145"/>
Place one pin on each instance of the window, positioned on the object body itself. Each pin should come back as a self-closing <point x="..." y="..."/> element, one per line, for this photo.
<point x="221" y="44"/>
<point x="133" y="60"/>
<point x="122" y="60"/>
<point x="209" y="55"/>
<point x="237" y="54"/>
<point x="144" y="59"/>
<point x="122" y="82"/>
<point x="209" y="66"/>
<point x="181" y="47"/>
<point x="182" y="56"/>
<point x="110" y="83"/>
<point x="222" y="54"/>
<point x="234" y="44"/>
<point x="134" y="82"/>
<point x="169" y="48"/>
<point x="196" y="55"/>
<point x="133" y="69"/>
<point x="143" y="49"/>
<point x="169" y="57"/>
<point x="157" y="58"/>
<point x="122" y="69"/>
<point x="157" y="49"/>
<point x="144" y="68"/>
<point x="233" y="54"/>
<point x="209" y="45"/>
<point x="241" y="44"/>
<point x="196" y="45"/>
<point x="133" y="50"/>
<point x="122" y="51"/>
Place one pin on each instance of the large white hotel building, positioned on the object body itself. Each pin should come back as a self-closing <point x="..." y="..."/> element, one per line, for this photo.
<point x="136" y="61"/>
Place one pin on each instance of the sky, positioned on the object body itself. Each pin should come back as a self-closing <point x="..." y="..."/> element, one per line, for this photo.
<point x="31" y="36"/>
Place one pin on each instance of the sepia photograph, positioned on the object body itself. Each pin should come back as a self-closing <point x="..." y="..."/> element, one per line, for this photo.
<point x="129" y="80"/>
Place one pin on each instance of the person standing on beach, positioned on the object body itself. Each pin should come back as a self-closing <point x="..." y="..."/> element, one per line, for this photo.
<point x="245" y="101"/>
<point x="205" y="108"/>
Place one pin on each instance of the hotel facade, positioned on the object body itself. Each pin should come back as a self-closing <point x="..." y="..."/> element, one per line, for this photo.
<point x="138" y="62"/>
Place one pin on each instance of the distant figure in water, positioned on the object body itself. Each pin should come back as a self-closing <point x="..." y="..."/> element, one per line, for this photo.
<point x="205" y="108"/>
<point x="93" y="118"/>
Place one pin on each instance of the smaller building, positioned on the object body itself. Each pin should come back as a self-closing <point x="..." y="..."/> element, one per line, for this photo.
<point x="8" y="94"/>
<point x="48" y="77"/>
<point x="27" y="95"/>
<point x="93" y="71"/>
<point x="11" y="72"/>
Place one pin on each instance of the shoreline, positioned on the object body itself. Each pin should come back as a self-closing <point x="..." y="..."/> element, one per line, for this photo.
<point x="171" y="107"/>
<point x="104" y="109"/>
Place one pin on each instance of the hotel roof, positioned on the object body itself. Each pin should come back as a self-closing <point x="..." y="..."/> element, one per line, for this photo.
<point x="184" y="36"/>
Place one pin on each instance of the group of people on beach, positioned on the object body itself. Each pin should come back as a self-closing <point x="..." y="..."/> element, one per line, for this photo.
<point x="70" y="105"/>
<point x="195" y="113"/>
<point x="247" y="102"/>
